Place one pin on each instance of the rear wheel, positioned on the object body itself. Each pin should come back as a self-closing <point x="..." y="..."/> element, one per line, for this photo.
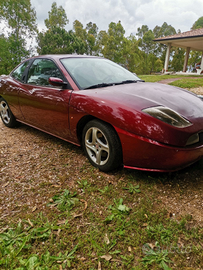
<point x="6" y="114"/>
<point x="101" y="145"/>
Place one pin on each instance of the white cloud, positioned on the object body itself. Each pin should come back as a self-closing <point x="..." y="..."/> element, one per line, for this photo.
<point x="181" y="14"/>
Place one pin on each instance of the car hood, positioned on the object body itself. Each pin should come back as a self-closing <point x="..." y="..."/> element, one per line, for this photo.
<point x="141" y="95"/>
<point x="122" y="105"/>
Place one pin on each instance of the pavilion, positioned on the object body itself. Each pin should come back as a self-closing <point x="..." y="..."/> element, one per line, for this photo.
<point x="190" y="40"/>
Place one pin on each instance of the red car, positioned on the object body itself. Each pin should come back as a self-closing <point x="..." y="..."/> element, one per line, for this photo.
<point x="116" y="117"/>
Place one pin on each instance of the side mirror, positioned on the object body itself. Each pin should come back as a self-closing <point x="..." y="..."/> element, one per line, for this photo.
<point x="56" y="81"/>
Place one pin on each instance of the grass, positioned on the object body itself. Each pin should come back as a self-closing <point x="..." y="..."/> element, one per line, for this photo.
<point x="156" y="78"/>
<point x="183" y="82"/>
<point x="115" y="225"/>
<point x="188" y="83"/>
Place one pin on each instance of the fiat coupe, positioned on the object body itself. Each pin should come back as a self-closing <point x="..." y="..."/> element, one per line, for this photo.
<point x="118" y="119"/>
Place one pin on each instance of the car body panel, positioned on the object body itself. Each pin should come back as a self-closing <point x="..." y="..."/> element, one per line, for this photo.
<point x="123" y="109"/>
<point x="147" y="143"/>
<point x="43" y="107"/>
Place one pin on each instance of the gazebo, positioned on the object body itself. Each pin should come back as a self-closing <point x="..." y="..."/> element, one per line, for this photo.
<point x="190" y="40"/>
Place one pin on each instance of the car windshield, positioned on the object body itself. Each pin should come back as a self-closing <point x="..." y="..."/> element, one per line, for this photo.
<point x="97" y="72"/>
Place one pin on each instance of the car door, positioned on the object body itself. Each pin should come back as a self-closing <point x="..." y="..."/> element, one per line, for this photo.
<point x="43" y="105"/>
<point x="10" y="88"/>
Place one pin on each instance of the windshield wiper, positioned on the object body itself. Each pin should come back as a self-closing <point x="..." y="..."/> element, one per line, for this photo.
<point x="127" y="81"/>
<point x="99" y="85"/>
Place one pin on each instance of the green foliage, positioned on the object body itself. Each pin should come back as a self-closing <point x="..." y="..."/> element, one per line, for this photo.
<point x="195" y="57"/>
<point x="83" y="184"/>
<point x="5" y="61"/>
<point x="88" y="35"/>
<point x="164" y="30"/>
<point x="153" y="53"/>
<point x="113" y="42"/>
<point x="133" y="189"/>
<point x="57" y="17"/>
<point x="140" y="55"/>
<point x="160" y="234"/>
<point x="157" y="256"/>
<point x="116" y="47"/>
<point x="58" y="41"/>
<point x="65" y="201"/>
<point x="198" y="24"/>
<point x="118" y="211"/>
<point x="178" y="59"/>
<point x="16" y="241"/>
<point x="20" y="18"/>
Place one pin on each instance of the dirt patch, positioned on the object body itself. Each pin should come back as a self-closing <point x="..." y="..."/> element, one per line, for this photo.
<point x="167" y="81"/>
<point x="197" y="91"/>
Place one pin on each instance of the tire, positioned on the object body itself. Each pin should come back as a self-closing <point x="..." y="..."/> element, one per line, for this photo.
<point x="102" y="145"/>
<point x="6" y="115"/>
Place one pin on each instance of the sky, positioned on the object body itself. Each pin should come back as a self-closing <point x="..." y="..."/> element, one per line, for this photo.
<point x="181" y="14"/>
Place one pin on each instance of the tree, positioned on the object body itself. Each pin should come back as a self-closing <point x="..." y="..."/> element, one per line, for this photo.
<point x="112" y="43"/>
<point x="88" y="35"/>
<point x="141" y="31"/>
<point x="131" y="54"/>
<point x="56" y="40"/>
<point x="5" y="61"/>
<point x="147" y="45"/>
<point x="198" y="24"/>
<point x="57" y="17"/>
<point x="91" y="39"/>
<point x="178" y="59"/>
<point x="92" y="29"/>
<point x="195" y="57"/>
<point x="79" y="30"/>
<point x="20" y="20"/>
<point x="162" y="31"/>
<point x="59" y="41"/>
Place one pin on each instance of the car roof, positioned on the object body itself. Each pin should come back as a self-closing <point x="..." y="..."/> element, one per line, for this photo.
<point x="61" y="56"/>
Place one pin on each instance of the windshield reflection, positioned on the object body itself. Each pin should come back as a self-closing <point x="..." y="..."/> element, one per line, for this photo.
<point x="90" y="71"/>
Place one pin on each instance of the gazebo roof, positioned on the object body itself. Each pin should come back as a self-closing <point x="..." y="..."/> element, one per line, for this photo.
<point x="192" y="39"/>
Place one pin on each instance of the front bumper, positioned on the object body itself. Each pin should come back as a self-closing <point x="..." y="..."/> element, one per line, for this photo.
<point x="145" y="154"/>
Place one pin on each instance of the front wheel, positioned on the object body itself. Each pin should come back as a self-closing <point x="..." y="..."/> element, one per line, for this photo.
<point x="6" y="114"/>
<point x="101" y="145"/>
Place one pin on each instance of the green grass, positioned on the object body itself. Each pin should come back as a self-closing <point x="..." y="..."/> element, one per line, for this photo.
<point x="188" y="83"/>
<point x="118" y="225"/>
<point x="156" y="78"/>
<point x="183" y="82"/>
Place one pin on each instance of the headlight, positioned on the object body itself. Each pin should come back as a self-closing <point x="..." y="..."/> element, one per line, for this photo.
<point x="168" y="116"/>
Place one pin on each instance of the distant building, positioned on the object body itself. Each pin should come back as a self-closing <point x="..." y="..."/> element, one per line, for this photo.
<point x="190" y="40"/>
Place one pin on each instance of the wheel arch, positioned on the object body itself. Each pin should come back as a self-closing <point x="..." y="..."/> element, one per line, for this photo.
<point x="84" y="120"/>
<point x="81" y="124"/>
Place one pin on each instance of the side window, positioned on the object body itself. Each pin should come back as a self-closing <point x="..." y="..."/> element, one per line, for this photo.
<point x="41" y="70"/>
<point x="18" y="72"/>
